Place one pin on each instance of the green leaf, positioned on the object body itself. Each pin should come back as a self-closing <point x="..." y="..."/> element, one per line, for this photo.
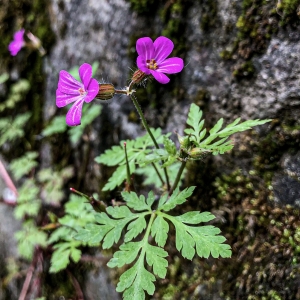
<point x="89" y="114"/>
<point x="118" y="177"/>
<point x="126" y="255"/>
<point x="28" y="200"/>
<point x="159" y="231"/>
<point x="23" y="165"/>
<point x="195" y="217"/>
<point x="135" y="202"/>
<point x="13" y="128"/>
<point x="28" y="238"/>
<point x="92" y="233"/>
<point x="155" y="259"/>
<point x="216" y="134"/>
<point x="176" y="198"/>
<point x="150" y="199"/>
<point x="151" y="177"/>
<point x="204" y="238"/>
<point x="170" y="146"/>
<point x="57" y="125"/>
<point x="135" y="281"/>
<point x="109" y="229"/>
<point x="62" y="254"/>
<point x="194" y="120"/>
<point x="135" y="228"/>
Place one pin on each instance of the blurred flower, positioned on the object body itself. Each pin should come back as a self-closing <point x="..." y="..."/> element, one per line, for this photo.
<point x="70" y="90"/>
<point x="17" y="43"/>
<point x="153" y="59"/>
<point x="36" y="43"/>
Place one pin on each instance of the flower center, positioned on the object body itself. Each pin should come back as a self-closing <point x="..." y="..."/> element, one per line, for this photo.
<point x="81" y="91"/>
<point x="151" y="64"/>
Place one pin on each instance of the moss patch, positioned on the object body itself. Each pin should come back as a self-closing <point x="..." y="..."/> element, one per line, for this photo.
<point x="258" y="21"/>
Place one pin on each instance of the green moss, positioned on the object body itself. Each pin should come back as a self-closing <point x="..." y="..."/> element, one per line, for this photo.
<point x="209" y="14"/>
<point x="144" y="6"/>
<point x="244" y="70"/>
<point x="258" y="21"/>
<point x="288" y="9"/>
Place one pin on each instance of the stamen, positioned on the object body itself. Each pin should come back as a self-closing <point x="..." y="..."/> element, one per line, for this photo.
<point x="81" y="91"/>
<point x="151" y="64"/>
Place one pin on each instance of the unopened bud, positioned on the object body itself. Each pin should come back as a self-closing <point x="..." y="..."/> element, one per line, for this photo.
<point x="36" y="43"/>
<point x="106" y="91"/>
<point x="198" y="153"/>
<point x="184" y="141"/>
<point x="138" y="77"/>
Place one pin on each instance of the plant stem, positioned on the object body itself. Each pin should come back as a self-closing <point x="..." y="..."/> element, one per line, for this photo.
<point x="183" y="164"/>
<point x="158" y="174"/>
<point x="138" y="108"/>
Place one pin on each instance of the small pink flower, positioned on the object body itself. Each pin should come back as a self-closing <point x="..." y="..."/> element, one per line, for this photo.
<point x="153" y="59"/>
<point x="17" y="43"/>
<point x="70" y="90"/>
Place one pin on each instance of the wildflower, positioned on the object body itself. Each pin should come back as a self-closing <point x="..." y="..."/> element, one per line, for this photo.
<point x="70" y="90"/>
<point x="17" y="43"/>
<point x="153" y="59"/>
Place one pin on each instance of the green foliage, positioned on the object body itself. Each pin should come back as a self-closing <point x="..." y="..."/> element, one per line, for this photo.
<point x="78" y="213"/>
<point x="217" y="139"/>
<point x="90" y="113"/>
<point x="4" y="77"/>
<point x="12" y="128"/>
<point x="28" y="238"/>
<point x="16" y="94"/>
<point x="23" y="165"/>
<point x="57" y="125"/>
<point x="151" y="177"/>
<point x="136" y="150"/>
<point x="29" y="202"/>
<point x="108" y="228"/>
<point x="52" y="183"/>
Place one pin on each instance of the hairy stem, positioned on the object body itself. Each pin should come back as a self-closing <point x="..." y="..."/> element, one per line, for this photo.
<point x="138" y="108"/>
<point x="183" y="164"/>
<point x="158" y="174"/>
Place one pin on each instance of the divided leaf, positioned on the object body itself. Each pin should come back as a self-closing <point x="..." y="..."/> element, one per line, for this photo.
<point x="175" y="199"/>
<point x="204" y="238"/>
<point x="159" y="230"/>
<point x="136" y="280"/>
<point x="137" y="150"/>
<point x="62" y="254"/>
<point x="217" y="134"/>
<point x="109" y="230"/>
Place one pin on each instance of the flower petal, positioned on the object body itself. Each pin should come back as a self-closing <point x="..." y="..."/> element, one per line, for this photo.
<point x="63" y="99"/>
<point x="85" y="73"/>
<point x="68" y="84"/>
<point x="92" y="90"/>
<point x="160" y="77"/>
<point x="162" y="48"/>
<point x="145" y="48"/>
<point x="73" y="117"/>
<point x="19" y="35"/>
<point x="171" y="65"/>
<point x="142" y="65"/>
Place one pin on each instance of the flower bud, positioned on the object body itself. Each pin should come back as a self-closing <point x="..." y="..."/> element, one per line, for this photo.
<point x="106" y="91"/>
<point x="198" y="153"/>
<point x="138" y="77"/>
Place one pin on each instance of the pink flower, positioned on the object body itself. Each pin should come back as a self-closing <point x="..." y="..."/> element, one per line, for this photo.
<point x="153" y="59"/>
<point x="17" y="43"/>
<point x="70" y="90"/>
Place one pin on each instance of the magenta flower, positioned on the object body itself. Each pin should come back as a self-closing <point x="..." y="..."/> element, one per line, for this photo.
<point x="153" y="59"/>
<point x="17" y="43"/>
<point x="70" y="90"/>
